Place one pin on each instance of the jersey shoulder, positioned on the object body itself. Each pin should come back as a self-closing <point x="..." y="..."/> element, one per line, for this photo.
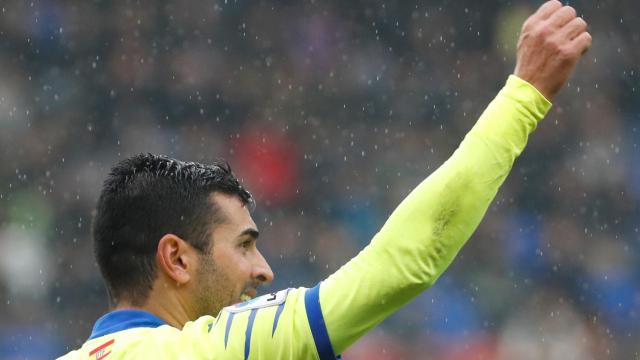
<point x="279" y="325"/>
<point x="161" y="342"/>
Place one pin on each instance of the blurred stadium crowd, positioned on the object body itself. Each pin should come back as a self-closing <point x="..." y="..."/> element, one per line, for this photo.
<point x="330" y="112"/>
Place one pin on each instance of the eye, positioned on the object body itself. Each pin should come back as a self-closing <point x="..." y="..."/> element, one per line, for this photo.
<point x="246" y="244"/>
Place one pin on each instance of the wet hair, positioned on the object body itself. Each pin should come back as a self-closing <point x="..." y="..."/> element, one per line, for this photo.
<point x="145" y="197"/>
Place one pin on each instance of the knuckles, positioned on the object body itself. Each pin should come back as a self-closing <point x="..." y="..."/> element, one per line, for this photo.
<point x="542" y="31"/>
<point x="570" y="10"/>
<point x="582" y="25"/>
<point x="587" y="40"/>
<point x="549" y="42"/>
<point x="567" y="53"/>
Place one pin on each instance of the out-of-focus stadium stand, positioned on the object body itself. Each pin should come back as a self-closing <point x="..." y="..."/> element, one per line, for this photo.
<point x="331" y="111"/>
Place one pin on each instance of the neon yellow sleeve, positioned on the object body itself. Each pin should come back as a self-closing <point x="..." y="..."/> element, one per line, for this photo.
<point x="426" y="231"/>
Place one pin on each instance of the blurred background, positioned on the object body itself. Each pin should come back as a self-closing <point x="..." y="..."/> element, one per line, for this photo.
<point x="330" y="112"/>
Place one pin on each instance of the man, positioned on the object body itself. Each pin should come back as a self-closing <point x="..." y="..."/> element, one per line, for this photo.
<point x="176" y="243"/>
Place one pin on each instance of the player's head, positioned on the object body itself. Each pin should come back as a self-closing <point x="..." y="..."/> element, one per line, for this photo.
<point x="183" y="225"/>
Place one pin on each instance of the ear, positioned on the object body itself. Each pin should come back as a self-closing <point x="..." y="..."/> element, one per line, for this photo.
<point x="175" y="258"/>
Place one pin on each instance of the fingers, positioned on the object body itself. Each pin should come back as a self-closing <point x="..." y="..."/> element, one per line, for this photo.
<point x="574" y="28"/>
<point x="570" y="27"/>
<point x="547" y="9"/>
<point x="574" y="32"/>
<point x="561" y="17"/>
<point x="582" y="42"/>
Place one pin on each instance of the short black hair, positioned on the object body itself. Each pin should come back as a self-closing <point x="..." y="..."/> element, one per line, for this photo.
<point x="145" y="197"/>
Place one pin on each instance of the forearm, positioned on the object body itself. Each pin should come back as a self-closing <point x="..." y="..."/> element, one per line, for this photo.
<point x="426" y="231"/>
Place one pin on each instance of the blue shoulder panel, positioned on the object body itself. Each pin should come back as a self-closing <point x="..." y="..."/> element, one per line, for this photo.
<point x="122" y="320"/>
<point x="316" y="322"/>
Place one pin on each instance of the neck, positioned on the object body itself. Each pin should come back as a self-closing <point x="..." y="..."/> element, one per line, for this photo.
<point x="169" y="310"/>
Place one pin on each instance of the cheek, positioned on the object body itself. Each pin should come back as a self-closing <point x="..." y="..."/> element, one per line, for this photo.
<point x="242" y="267"/>
<point x="234" y="263"/>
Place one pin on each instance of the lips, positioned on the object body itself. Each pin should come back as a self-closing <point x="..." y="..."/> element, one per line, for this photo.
<point x="251" y="292"/>
<point x="248" y="294"/>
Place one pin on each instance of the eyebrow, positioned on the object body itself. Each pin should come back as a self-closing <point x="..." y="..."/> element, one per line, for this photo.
<point x="250" y="232"/>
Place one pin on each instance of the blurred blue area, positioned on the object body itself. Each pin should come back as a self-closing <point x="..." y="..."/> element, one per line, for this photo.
<point x="523" y="245"/>
<point x="29" y="342"/>
<point x="450" y="313"/>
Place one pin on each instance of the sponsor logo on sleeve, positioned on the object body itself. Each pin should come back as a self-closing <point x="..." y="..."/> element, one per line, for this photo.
<point x="101" y="351"/>
<point x="263" y="301"/>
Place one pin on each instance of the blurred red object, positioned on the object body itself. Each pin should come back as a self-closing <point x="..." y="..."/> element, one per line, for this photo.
<point x="480" y="348"/>
<point x="378" y="346"/>
<point x="266" y="161"/>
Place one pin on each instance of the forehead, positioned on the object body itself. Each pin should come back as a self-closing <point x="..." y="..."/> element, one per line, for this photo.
<point x="233" y="212"/>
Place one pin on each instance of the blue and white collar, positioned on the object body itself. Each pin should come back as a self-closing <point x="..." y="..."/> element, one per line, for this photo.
<point x="122" y="320"/>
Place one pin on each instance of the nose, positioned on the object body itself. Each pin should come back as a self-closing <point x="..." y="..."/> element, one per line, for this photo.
<point x="262" y="270"/>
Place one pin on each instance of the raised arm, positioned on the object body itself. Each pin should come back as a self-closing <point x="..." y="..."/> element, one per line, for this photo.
<point x="426" y="231"/>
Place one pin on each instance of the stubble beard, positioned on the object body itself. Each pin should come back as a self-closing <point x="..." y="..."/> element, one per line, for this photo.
<point x="214" y="291"/>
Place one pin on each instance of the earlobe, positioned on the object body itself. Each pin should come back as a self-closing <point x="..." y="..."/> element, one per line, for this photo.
<point x="173" y="259"/>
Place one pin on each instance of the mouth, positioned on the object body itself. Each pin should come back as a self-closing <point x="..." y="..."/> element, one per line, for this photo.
<point x="248" y="294"/>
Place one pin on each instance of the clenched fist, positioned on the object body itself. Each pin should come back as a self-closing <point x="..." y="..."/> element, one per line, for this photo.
<point x="550" y="45"/>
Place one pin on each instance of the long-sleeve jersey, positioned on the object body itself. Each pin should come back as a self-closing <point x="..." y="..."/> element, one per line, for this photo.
<point x="409" y="253"/>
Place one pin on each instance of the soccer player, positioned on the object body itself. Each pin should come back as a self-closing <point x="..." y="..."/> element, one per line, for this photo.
<point x="176" y="244"/>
